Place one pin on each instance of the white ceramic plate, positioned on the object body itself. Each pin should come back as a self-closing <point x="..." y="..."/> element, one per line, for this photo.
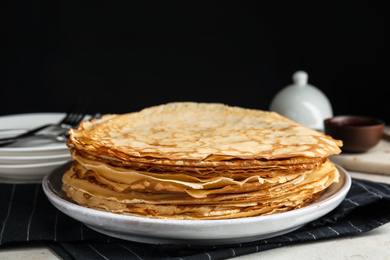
<point x="14" y="124"/>
<point x="35" y="171"/>
<point x="164" y="231"/>
<point x="14" y="160"/>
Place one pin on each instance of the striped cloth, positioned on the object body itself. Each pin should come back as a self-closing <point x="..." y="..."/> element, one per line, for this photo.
<point x="27" y="215"/>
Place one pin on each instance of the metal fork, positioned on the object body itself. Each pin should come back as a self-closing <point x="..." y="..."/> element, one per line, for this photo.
<point x="58" y="131"/>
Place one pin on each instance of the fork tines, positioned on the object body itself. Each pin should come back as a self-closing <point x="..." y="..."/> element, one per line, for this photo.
<point x="76" y="114"/>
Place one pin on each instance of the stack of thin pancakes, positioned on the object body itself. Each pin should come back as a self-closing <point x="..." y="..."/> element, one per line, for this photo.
<point x="198" y="161"/>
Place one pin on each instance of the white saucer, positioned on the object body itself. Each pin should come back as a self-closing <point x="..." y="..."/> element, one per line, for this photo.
<point x="34" y="171"/>
<point x="210" y="232"/>
<point x="14" y="124"/>
<point x="15" y="160"/>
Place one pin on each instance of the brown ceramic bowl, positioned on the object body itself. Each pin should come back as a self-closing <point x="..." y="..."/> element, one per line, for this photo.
<point x="358" y="133"/>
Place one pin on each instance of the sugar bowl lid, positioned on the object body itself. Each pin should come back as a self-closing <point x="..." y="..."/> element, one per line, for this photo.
<point x="303" y="103"/>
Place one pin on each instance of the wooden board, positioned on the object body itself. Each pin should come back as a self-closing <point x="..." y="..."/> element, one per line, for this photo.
<point x="375" y="160"/>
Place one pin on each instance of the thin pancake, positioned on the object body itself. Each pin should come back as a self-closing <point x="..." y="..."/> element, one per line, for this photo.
<point x="200" y="132"/>
<point x="90" y="193"/>
<point x="197" y="161"/>
<point x="241" y="167"/>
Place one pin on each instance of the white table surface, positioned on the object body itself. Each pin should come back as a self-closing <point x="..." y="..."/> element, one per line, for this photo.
<point x="370" y="245"/>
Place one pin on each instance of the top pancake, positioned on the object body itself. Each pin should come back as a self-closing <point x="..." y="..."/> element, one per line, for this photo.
<point x="200" y="132"/>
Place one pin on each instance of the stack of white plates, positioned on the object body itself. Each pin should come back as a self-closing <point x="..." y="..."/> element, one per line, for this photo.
<point x="30" y="158"/>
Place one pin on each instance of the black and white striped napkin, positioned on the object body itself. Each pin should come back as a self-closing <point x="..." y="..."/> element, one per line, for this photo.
<point x="27" y="215"/>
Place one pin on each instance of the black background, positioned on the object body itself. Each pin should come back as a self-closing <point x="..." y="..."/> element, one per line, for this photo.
<point x="124" y="56"/>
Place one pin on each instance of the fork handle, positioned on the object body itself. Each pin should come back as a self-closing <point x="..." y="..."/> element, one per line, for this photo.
<point x="8" y="140"/>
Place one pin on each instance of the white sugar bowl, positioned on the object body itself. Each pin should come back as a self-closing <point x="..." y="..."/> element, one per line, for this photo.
<point x="303" y="103"/>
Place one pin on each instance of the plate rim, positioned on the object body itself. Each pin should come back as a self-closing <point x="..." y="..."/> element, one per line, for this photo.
<point x="29" y="114"/>
<point x="33" y="165"/>
<point x="330" y="201"/>
<point x="16" y="150"/>
<point x="27" y="158"/>
<point x="33" y="157"/>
